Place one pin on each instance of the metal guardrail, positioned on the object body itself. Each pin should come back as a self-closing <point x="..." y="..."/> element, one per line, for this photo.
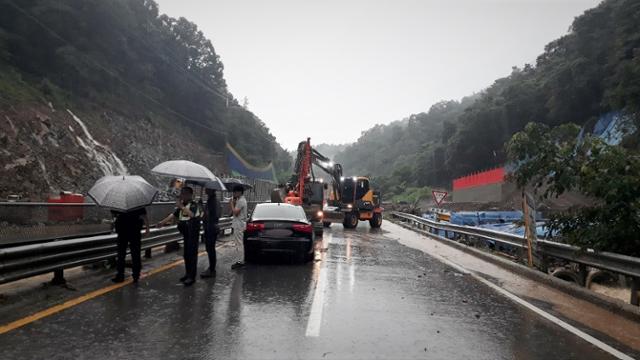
<point x="487" y="235"/>
<point x="25" y="261"/>
<point x="23" y="223"/>
<point x="615" y="263"/>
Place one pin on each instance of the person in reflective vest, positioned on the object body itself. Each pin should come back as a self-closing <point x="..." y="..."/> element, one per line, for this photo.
<point x="188" y="214"/>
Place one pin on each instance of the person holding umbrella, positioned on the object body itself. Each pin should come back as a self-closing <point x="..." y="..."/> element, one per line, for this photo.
<point x="127" y="197"/>
<point x="188" y="214"/>
<point x="212" y="212"/>
<point x="128" y="226"/>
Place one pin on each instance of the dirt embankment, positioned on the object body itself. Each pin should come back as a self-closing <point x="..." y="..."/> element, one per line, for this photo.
<point x="44" y="150"/>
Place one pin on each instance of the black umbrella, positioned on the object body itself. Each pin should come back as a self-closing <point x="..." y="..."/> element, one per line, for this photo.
<point x="231" y="183"/>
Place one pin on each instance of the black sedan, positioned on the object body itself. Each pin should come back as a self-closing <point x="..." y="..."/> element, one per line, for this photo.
<point x="279" y="228"/>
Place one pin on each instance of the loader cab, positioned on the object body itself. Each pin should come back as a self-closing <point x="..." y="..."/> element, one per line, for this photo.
<point x="354" y="189"/>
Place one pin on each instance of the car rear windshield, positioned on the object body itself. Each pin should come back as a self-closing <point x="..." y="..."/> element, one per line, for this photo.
<point x="279" y="212"/>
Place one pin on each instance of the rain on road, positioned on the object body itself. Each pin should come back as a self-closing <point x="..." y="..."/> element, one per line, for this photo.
<point x="369" y="297"/>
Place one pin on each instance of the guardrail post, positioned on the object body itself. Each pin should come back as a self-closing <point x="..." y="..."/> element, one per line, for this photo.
<point x="58" y="277"/>
<point x="582" y="274"/>
<point x="635" y="291"/>
<point x="147" y="253"/>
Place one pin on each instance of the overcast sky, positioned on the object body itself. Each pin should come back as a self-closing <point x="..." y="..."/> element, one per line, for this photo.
<point x="330" y="69"/>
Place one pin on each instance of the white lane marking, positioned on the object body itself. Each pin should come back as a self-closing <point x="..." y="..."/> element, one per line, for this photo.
<point x="581" y="334"/>
<point x="317" y="305"/>
<point x="315" y="317"/>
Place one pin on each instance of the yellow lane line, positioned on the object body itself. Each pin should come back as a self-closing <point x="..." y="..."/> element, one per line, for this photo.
<point x="88" y="296"/>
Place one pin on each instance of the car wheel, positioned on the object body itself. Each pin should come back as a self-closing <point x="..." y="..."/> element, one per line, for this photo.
<point x="376" y="220"/>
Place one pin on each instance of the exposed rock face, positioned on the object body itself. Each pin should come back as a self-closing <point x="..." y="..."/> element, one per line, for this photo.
<point x="45" y="150"/>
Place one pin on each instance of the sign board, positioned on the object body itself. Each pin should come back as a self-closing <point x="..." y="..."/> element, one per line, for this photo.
<point x="439" y="196"/>
<point x="529" y="212"/>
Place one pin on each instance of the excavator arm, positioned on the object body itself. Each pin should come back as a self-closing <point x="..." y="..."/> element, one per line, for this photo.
<point x="302" y="170"/>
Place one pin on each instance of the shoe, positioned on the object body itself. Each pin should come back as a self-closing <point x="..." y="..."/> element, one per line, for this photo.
<point x="183" y="279"/>
<point x="189" y="282"/>
<point x="208" y="274"/>
<point x="118" y="279"/>
<point x="237" y="265"/>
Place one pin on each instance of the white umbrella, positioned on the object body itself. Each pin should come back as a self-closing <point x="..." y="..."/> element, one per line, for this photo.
<point x="184" y="169"/>
<point x="123" y="193"/>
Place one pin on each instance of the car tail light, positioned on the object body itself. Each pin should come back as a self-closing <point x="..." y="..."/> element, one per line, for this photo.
<point x="302" y="228"/>
<point x="253" y="227"/>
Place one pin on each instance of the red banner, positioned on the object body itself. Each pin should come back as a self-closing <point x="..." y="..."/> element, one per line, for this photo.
<point x="495" y="176"/>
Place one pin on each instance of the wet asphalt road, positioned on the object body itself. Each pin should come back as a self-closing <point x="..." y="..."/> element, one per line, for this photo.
<point x="374" y="299"/>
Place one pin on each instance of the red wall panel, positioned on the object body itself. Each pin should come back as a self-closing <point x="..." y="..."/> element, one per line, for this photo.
<point x="493" y="176"/>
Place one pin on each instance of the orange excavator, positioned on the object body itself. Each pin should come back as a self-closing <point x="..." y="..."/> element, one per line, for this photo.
<point x="304" y="189"/>
<point x="341" y="199"/>
<point x="302" y="171"/>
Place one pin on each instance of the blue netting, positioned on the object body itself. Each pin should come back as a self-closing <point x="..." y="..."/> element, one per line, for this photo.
<point x="238" y="166"/>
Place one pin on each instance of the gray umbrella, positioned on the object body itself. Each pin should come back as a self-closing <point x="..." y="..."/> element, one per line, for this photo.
<point x="123" y="193"/>
<point x="184" y="169"/>
<point x="231" y="183"/>
<point x="211" y="184"/>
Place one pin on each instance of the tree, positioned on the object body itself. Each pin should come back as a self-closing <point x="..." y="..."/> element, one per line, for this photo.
<point x="558" y="160"/>
<point x="124" y="55"/>
<point x="592" y="70"/>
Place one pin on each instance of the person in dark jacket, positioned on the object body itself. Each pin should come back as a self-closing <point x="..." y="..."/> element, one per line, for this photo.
<point x="211" y="218"/>
<point x="188" y="214"/>
<point x="128" y="226"/>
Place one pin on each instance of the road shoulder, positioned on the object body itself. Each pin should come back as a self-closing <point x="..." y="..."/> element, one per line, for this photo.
<point x="596" y="320"/>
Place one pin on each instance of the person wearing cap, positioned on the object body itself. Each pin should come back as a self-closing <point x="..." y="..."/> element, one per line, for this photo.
<point x="188" y="214"/>
<point x="238" y="205"/>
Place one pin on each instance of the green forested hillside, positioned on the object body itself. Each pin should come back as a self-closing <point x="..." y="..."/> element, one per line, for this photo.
<point x="592" y="70"/>
<point x="123" y="55"/>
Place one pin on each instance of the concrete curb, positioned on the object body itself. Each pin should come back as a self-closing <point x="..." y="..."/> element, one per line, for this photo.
<point x="614" y="305"/>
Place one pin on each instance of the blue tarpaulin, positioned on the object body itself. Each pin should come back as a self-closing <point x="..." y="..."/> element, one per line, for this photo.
<point x="502" y="221"/>
<point x="475" y="218"/>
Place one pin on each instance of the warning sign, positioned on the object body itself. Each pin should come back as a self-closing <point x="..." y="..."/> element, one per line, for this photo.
<point x="439" y="196"/>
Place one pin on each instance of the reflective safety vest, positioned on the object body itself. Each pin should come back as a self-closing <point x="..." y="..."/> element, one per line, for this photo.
<point x="195" y="209"/>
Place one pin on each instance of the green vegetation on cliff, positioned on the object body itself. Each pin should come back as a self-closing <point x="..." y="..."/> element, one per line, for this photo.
<point x="592" y="70"/>
<point x="124" y="56"/>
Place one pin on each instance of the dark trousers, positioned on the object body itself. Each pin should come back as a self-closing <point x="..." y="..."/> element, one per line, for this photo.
<point x="190" y="234"/>
<point x="133" y="240"/>
<point x="210" y="237"/>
